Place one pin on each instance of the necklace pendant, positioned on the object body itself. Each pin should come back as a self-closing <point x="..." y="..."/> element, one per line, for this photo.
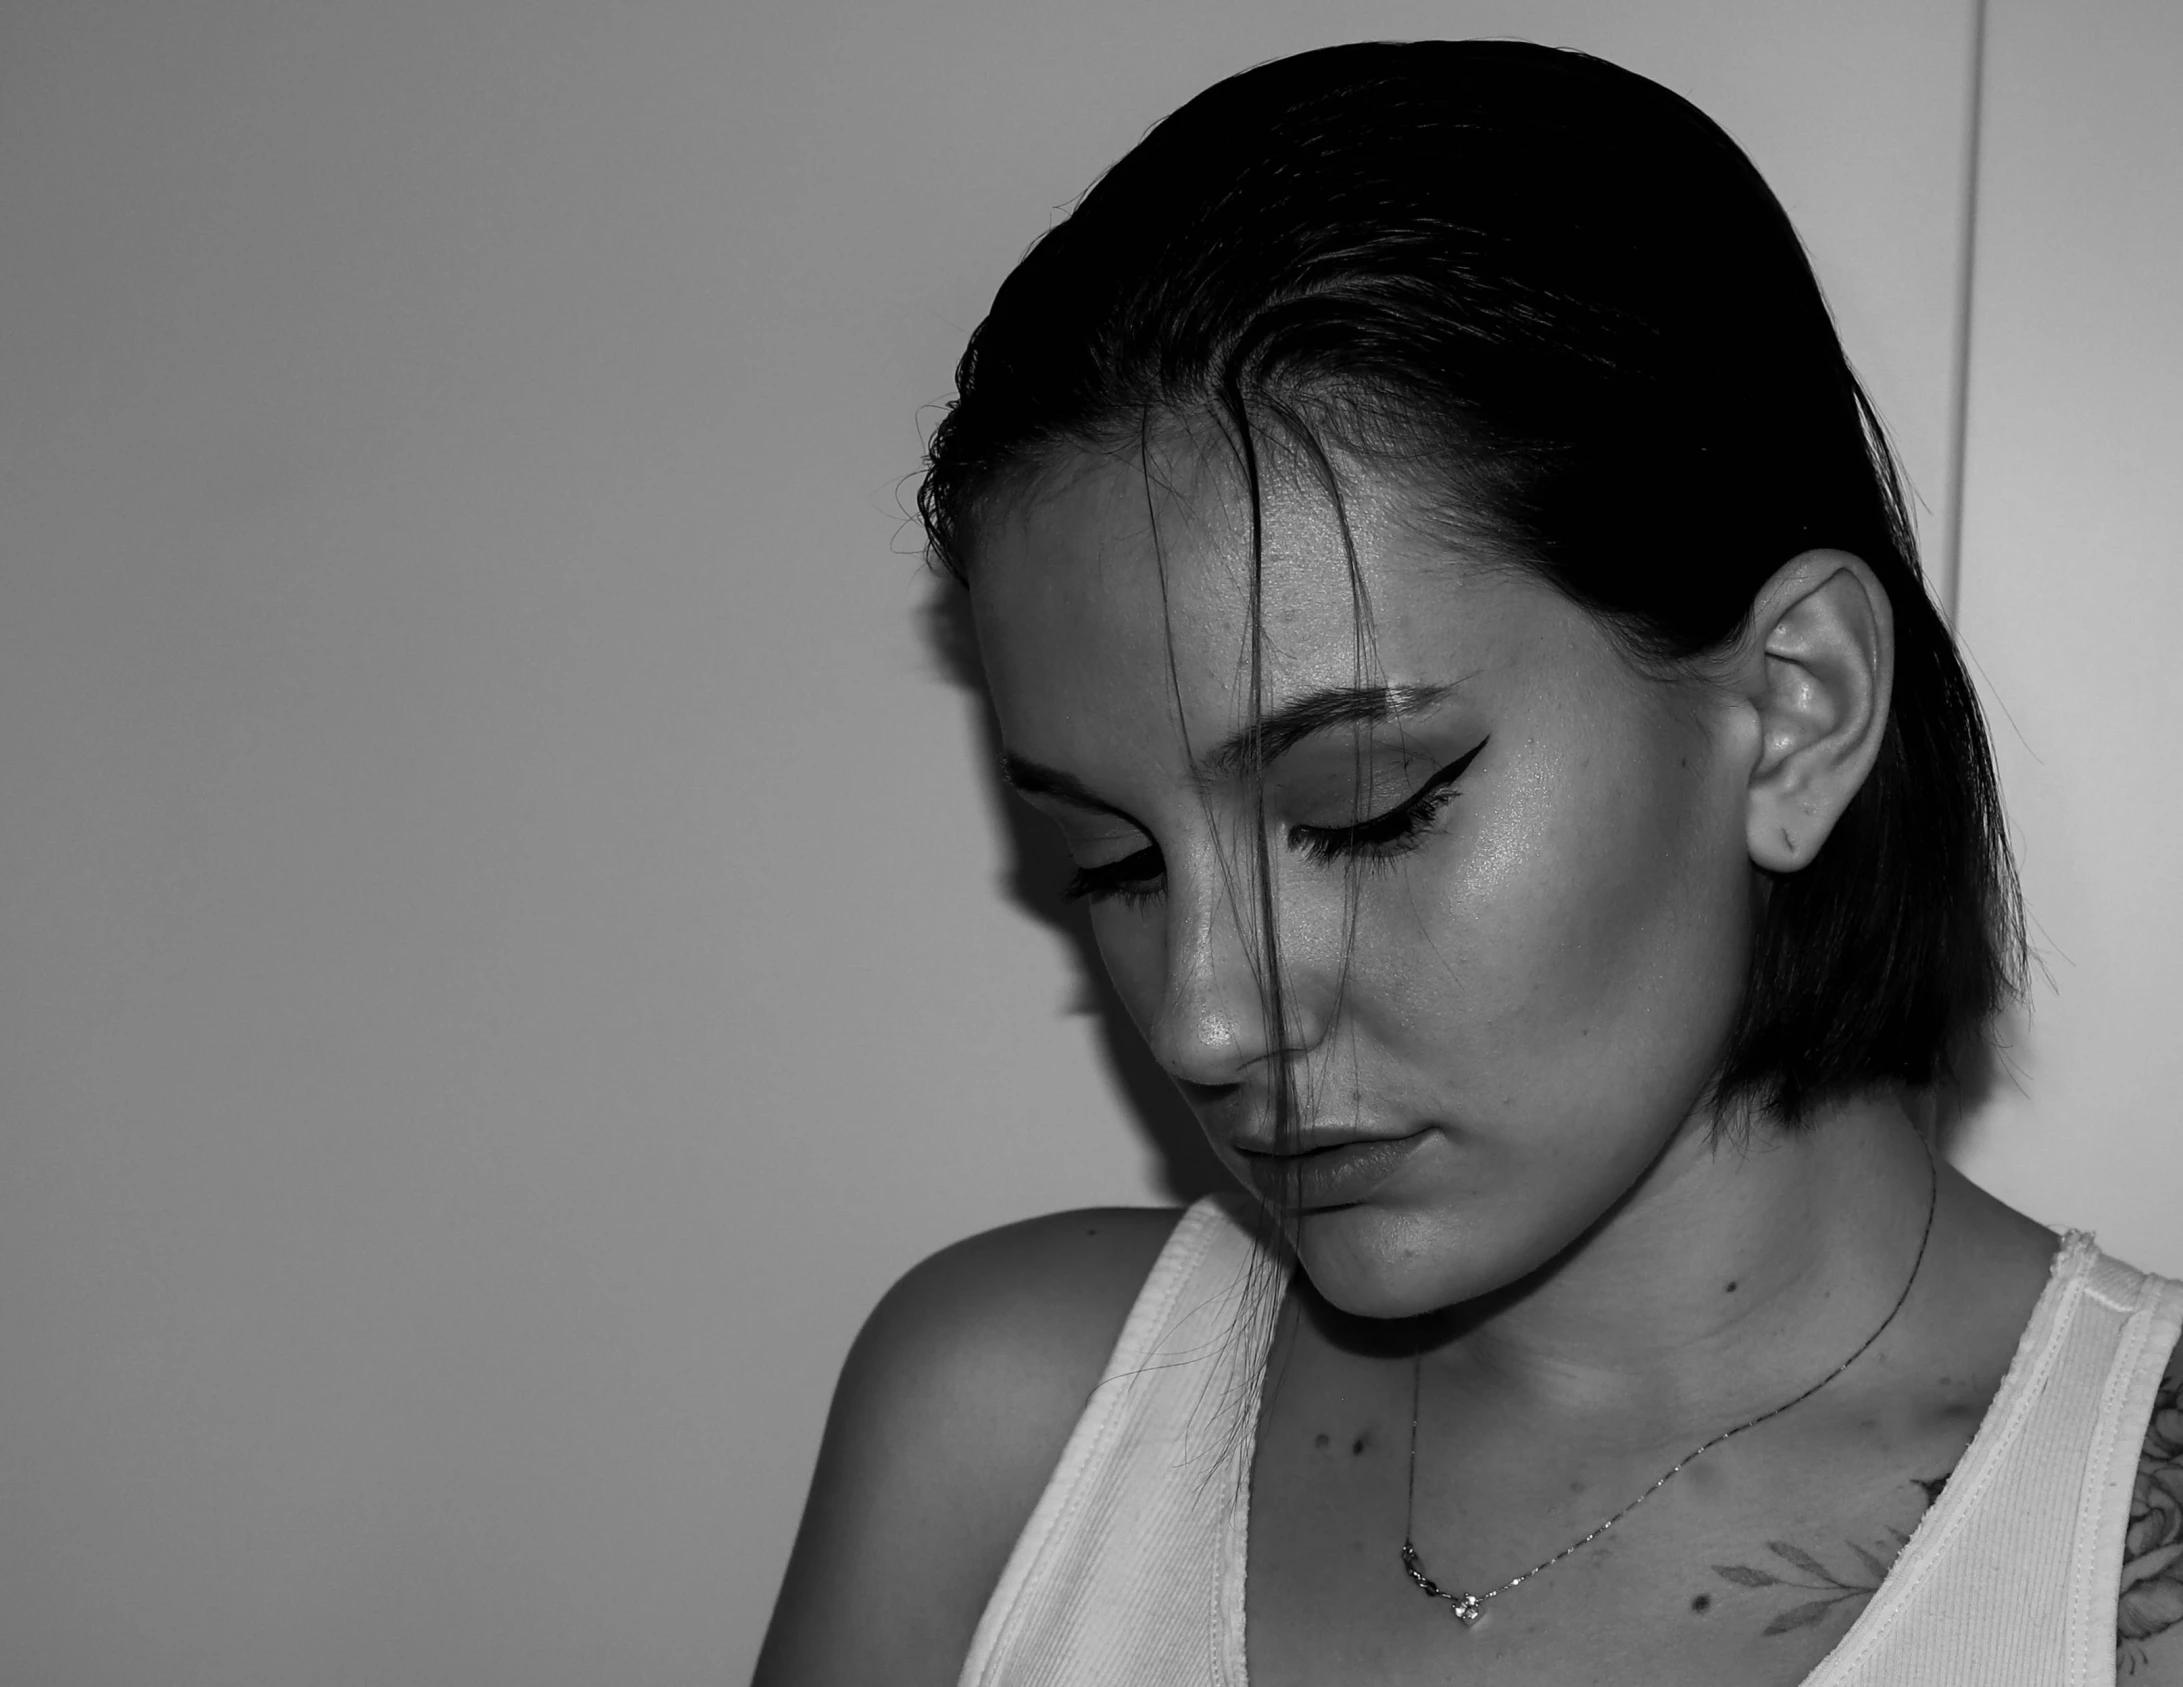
<point x="1467" y="1609"/>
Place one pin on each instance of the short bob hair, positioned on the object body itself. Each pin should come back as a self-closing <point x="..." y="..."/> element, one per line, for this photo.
<point x="1560" y="303"/>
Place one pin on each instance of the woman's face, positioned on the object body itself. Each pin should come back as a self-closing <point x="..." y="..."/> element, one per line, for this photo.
<point x="1508" y="873"/>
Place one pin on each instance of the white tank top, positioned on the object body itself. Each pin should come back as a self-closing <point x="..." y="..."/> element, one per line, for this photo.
<point x="1130" y="1570"/>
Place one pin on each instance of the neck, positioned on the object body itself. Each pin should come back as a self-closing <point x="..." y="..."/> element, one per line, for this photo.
<point x="1728" y="1271"/>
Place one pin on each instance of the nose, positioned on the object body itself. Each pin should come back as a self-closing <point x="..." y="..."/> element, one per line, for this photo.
<point x="1231" y="998"/>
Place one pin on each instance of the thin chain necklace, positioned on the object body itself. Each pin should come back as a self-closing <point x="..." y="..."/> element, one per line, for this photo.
<point x="1469" y="1607"/>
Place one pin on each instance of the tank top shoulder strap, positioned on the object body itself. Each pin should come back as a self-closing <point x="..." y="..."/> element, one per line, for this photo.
<point x="1120" y="1573"/>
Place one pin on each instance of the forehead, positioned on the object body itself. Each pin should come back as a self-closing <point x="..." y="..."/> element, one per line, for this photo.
<point x="1114" y="599"/>
<point x="1173" y="529"/>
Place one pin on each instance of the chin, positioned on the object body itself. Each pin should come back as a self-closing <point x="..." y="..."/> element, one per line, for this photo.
<point x="1378" y="1262"/>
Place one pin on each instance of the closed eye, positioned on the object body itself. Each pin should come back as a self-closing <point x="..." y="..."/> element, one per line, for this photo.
<point x="1140" y="877"/>
<point x="1395" y="832"/>
<point x="1134" y="878"/>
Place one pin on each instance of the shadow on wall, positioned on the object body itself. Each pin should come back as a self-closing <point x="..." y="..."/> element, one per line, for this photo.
<point x="1039" y="866"/>
<point x="1985" y="1066"/>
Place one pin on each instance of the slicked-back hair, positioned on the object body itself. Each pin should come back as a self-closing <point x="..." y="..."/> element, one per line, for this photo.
<point x="1561" y="306"/>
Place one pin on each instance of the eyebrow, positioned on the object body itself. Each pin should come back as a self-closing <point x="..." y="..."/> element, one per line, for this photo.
<point x="1275" y="734"/>
<point x="1280" y="730"/>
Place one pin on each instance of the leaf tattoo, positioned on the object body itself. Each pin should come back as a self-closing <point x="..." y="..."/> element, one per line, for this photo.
<point x="1803" y="1616"/>
<point x="1802" y="1560"/>
<point x="1812" y="1576"/>
<point x="1875" y="1566"/>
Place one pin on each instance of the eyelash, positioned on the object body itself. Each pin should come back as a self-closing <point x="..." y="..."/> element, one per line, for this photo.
<point x="1134" y="878"/>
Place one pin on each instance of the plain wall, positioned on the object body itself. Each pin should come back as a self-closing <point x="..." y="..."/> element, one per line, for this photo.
<point x="2072" y="592"/>
<point x="506" y="943"/>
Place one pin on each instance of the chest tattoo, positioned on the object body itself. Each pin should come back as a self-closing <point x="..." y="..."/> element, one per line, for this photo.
<point x="1788" y="1571"/>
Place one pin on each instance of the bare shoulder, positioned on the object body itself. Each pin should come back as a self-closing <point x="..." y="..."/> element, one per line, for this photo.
<point x="2149" y="1614"/>
<point x="1049" y="1293"/>
<point x="952" y="1409"/>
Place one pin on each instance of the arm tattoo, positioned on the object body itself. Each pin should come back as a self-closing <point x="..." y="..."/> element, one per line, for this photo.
<point x="2152" y="1553"/>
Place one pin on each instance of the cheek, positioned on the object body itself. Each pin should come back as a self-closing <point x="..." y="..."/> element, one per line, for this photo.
<point x="1133" y="948"/>
<point x="1588" y="935"/>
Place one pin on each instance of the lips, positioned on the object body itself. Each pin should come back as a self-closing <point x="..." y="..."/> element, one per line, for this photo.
<point x="1335" y="1174"/>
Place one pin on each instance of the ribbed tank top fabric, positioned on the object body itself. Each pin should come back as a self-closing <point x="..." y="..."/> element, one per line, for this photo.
<point x="1130" y="1571"/>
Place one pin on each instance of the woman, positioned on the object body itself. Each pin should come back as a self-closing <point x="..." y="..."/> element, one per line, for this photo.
<point x="1430" y="557"/>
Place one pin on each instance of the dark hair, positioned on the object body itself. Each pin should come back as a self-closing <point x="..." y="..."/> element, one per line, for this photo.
<point x="1563" y="305"/>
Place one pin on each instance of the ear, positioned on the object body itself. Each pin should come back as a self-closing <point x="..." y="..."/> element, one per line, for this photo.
<point x="1817" y="670"/>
